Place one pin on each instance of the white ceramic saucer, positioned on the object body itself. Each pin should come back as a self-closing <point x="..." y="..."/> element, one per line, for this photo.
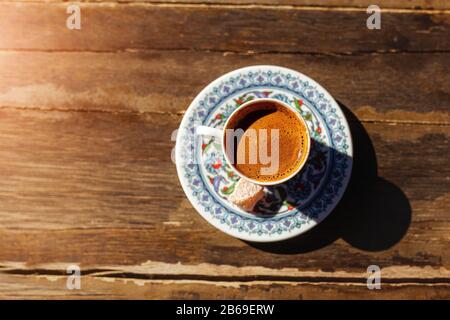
<point x="288" y="209"/>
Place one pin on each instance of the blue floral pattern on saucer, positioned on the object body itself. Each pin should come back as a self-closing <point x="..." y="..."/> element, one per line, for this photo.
<point x="287" y="209"/>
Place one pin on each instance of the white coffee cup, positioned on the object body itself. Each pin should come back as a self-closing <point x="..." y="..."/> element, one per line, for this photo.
<point x="219" y="134"/>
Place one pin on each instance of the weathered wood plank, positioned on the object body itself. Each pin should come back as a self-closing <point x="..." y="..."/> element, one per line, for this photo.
<point x="42" y="26"/>
<point x="54" y="287"/>
<point x="99" y="188"/>
<point x="387" y="87"/>
<point x="225" y="273"/>
<point x="400" y="4"/>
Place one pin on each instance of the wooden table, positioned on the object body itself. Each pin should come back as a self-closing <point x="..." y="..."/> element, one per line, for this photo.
<point x="86" y="133"/>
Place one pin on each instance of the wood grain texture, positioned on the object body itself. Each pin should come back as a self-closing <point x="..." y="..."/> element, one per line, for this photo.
<point x="87" y="117"/>
<point x="42" y="26"/>
<point x="93" y="188"/>
<point x="387" y="87"/>
<point x="401" y="4"/>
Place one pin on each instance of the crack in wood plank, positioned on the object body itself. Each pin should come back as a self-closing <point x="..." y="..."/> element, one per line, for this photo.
<point x="31" y="287"/>
<point x="76" y="110"/>
<point x="241" y="6"/>
<point x="154" y="270"/>
<point x="359" y="112"/>
<point x="232" y="280"/>
<point x="356" y="53"/>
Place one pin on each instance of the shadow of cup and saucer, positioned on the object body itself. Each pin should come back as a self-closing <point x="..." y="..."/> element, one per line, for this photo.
<point x="373" y="214"/>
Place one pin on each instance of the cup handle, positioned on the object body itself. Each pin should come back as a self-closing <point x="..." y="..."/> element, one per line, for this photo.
<point x="208" y="131"/>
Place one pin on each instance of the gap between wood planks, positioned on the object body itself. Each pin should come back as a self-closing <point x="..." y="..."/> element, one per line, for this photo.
<point x="144" y="113"/>
<point x="230" y="52"/>
<point x="239" y="6"/>
<point x="152" y="270"/>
